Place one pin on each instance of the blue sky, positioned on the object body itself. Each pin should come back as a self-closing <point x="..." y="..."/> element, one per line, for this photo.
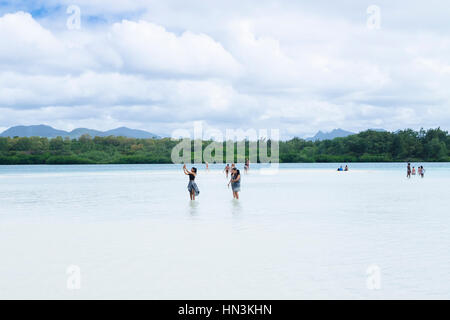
<point x="297" y="66"/>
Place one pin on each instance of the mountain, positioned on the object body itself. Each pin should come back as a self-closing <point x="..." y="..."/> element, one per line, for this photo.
<point x="130" y="133"/>
<point x="33" y="131"/>
<point x="49" y="132"/>
<point x="76" y="133"/>
<point x="336" y="133"/>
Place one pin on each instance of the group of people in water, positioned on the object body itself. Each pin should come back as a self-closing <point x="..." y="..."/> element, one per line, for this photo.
<point x="235" y="177"/>
<point x="412" y="172"/>
<point x="234" y="182"/>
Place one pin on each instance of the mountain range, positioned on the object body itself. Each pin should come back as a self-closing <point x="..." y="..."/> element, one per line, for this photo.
<point x="336" y="133"/>
<point x="49" y="132"/>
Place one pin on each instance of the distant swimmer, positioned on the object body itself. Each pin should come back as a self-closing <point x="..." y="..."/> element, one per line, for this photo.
<point x="192" y="186"/>
<point x="346" y="168"/>
<point x="408" y="170"/>
<point x="207" y="165"/>
<point x="340" y="169"/>
<point x="422" y="172"/>
<point x="227" y="169"/>
<point x="247" y="165"/>
<point x="413" y="172"/>
<point x="235" y="183"/>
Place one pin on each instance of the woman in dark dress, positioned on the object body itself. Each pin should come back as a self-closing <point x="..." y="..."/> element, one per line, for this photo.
<point x="235" y="183"/>
<point x="192" y="186"/>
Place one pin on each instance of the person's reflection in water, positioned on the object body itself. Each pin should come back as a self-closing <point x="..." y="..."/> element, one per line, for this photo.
<point x="239" y="223"/>
<point x="236" y="208"/>
<point x="193" y="208"/>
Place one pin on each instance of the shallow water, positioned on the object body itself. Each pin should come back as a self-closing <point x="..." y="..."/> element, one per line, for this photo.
<point x="306" y="232"/>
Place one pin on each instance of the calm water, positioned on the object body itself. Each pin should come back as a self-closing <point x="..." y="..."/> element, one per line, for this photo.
<point x="306" y="232"/>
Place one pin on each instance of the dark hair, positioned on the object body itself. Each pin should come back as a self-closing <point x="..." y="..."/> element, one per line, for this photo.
<point x="194" y="169"/>
<point x="237" y="171"/>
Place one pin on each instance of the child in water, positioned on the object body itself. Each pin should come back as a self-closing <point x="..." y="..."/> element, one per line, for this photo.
<point x="235" y="182"/>
<point x="247" y="165"/>
<point x="227" y="170"/>
<point x="192" y="186"/>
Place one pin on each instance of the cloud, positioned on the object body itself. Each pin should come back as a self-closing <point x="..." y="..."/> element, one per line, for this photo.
<point x="295" y="66"/>
<point x="22" y="39"/>
<point x="146" y="47"/>
<point x="128" y="47"/>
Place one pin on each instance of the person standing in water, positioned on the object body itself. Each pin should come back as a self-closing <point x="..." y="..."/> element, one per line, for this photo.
<point x="192" y="186"/>
<point x="235" y="183"/>
<point x="346" y="168"/>
<point x="413" y="171"/>
<point x="227" y="169"/>
<point x="207" y="165"/>
<point x="408" y="170"/>
<point x="247" y="165"/>
<point x="422" y="172"/>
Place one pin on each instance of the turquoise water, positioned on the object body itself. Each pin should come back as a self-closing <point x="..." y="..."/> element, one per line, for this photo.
<point x="305" y="232"/>
<point x="5" y="169"/>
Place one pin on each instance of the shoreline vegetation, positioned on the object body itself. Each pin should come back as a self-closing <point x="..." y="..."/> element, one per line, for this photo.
<point x="432" y="145"/>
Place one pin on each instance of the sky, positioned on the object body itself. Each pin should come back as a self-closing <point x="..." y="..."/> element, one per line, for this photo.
<point x="296" y="66"/>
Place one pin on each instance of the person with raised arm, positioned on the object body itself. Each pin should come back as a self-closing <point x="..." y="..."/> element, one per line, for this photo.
<point x="192" y="186"/>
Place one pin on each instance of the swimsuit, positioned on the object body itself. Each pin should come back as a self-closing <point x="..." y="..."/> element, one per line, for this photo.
<point x="192" y="185"/>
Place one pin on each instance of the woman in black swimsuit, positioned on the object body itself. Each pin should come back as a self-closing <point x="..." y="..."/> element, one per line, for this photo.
<point x="192" y="186"/>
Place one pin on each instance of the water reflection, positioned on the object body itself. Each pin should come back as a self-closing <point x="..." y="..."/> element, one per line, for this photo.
<point x="236" y="207"/>
<point x="193" y="208"/>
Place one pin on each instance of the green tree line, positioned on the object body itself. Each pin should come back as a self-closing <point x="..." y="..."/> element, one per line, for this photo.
<point x="432" y="145"/>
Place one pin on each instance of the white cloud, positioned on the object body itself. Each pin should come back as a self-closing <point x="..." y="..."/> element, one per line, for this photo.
<point x="148" y="47"/>
<point x="298" y="67"/>
<point x="22" y="39"/>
